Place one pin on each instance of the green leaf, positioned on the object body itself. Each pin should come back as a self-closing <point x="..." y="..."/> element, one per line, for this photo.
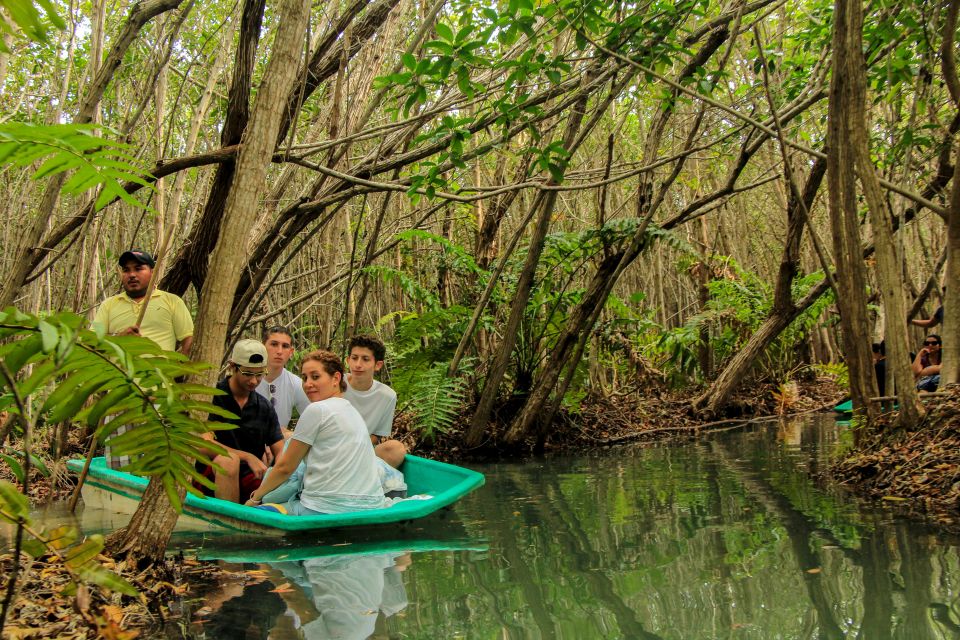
<point x="207" y="407"/>
<point x="114" y="396"/>
<point x="72" y="405"/>
<point x="463" y="83"/>
<point x="15" y="467"/>
<point x="170" y="486"/>
<point x="34" y="548"/>
<point x="23" y="351"/>
<point x="98" y="575"/>
<point x="65" y="147"/>
<point x="444" y="32"/>
<point x="27" y="19"/>
<point x="13" y="504"/>
<point x="41" y="466"/>
<point x="131" y="417"/>
<point x="43" y="374"/>
<point x="86" y="551"/>
<point x="61" y="537"/>
<point x="56" y="164"/>
<point x="68" y="387"/>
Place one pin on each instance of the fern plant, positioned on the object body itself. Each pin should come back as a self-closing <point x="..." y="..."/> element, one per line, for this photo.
<point x="435" y="400"/>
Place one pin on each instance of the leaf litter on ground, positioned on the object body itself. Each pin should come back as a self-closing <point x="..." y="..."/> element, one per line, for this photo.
<point x="916" y="469"/>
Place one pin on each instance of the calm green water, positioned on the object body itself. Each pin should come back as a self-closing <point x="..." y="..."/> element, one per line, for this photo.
<point x="726" y="538"/>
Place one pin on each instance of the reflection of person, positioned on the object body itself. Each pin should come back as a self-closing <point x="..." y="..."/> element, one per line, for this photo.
<point x="251" y="613"/>
<point x="394" y="599"/>
<point x="166" y="320"/>
<point x="341" y="469"/>
<point x="281" y="387"/>
<point x="926" y="366"/>
<point x="257" y="426"/>
<point x="348" y="591"/>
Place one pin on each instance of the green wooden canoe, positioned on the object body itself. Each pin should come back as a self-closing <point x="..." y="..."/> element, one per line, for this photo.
<point x="120" y="492"/>
<point x="844" y="407"/>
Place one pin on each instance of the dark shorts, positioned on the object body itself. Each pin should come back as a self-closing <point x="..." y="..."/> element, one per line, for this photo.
<point x="928" y="383"/>
<point x="249" y="483"/>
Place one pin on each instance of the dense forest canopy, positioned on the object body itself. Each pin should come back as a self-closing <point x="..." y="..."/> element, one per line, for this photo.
<point x="533" y="200"/>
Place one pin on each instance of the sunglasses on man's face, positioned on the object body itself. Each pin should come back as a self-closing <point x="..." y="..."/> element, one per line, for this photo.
<point x="932" y="343"/>
<point x="251" y="374"/>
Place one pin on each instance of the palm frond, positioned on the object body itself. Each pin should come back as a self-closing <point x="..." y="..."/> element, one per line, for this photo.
<point x="92" y="161"/>
<point x="70" y="372"/>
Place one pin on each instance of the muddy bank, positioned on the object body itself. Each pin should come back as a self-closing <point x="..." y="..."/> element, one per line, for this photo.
<point x="657" y="416"/>
<point x="47" y="604"/>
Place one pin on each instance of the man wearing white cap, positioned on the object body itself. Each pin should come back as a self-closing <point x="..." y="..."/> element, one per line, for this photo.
<point x="257" y="425"/>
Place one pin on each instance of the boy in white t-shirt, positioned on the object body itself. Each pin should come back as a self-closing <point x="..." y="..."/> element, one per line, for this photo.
<point x="375" y="401"/>
<point x="281" y="387"/>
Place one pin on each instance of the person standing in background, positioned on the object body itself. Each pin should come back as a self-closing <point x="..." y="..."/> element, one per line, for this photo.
<point x="166" y="319"/>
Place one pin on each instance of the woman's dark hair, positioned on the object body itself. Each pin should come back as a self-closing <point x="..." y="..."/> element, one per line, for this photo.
<point x="330" y="362"/>
<point x="933" y="335"/>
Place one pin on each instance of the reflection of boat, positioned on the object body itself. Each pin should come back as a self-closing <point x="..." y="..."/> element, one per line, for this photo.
<point x="293" y="553"/>
<point x="444" y="483"/>
<point x="338" y="592"/>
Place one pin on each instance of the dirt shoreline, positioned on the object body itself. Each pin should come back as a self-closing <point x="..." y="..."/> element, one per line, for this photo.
<point x="659" y="417"/>
<point x="917" y="470"/>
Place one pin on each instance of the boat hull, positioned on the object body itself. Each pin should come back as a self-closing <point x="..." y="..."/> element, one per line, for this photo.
<point x="120" y="492"/>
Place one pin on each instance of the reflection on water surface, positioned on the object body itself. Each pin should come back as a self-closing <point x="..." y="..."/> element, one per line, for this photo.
<point x="725" y="538"/>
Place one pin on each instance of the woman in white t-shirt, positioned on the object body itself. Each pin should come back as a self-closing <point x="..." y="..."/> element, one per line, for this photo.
<point x="331" y="437"/>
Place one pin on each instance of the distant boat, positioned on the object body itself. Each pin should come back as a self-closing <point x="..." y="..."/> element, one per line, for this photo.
<point x="432" y="486"/>
<point x="844" y="407"/>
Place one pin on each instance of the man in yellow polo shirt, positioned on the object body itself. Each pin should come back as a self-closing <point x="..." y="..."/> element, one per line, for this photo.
<point x="166" y="321"/>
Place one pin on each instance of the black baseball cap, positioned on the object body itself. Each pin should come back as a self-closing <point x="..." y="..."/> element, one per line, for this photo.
<point x="137" y="255"/>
